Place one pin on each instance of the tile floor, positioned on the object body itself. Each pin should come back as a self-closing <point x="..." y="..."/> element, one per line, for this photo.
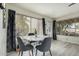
<point x="58" y="48"/>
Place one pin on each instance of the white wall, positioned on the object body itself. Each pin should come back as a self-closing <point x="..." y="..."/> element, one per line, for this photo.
<point x="69" y="16"/>
<point x="2" y="36"/>
<point x="24" y="11"/>
<point x="71" y="39"/>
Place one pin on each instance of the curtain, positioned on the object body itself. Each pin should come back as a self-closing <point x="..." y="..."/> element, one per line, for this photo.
<point x="11" y="41"/>
<point x="1" y="6"/>
<point x="54" y="30"/>
<point x="43" y="22"/>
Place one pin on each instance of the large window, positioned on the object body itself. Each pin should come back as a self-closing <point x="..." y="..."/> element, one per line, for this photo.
<point x="68" y="27"/>
<point x="25" y="25"/>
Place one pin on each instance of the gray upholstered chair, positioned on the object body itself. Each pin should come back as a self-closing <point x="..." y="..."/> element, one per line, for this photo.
<point x="45" y="46"/>
<point x="24" y="47"/>
<point x="30" y="34"/>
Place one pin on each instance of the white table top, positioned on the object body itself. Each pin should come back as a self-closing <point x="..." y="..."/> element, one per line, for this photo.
<point x="33" y="38"/>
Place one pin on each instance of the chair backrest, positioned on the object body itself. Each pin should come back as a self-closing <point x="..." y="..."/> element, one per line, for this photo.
<point x="46" y="44"/>
<point x="20" y="42"/>
<point x="30" y="34"/>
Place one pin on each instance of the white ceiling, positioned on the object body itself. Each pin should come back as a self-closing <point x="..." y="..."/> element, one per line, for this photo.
<point x="53" y="10"/>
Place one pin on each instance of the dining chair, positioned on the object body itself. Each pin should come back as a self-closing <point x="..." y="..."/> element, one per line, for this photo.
<point x="30" y="34"/>
<point x="45" y="46"/>
<point x="24" y="47"/>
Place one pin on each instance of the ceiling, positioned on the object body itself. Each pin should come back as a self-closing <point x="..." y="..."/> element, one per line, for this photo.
<point x="53" y="10"/>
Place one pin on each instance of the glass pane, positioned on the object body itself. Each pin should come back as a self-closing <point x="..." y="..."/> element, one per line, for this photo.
<point x="34" y="24"/>
<point x="77" y="28"/>
<point x="22" y="25"/>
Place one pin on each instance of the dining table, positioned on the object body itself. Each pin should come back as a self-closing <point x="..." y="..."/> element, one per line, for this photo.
<point x="37" y="39"/>
<point x="33" y="38"/>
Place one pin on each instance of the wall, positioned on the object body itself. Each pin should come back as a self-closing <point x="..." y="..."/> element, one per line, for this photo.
<point x="71" y="39"/>
<point x="69" y="16"/>
<point x="2" y="36"/>
<point x="20" y="10"/>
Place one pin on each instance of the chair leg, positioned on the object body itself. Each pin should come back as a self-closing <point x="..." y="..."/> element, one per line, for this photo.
<point x="50" y="52"/>
<point x="36" y="52"/>
<point x="29" y="53"/>
<point x="43" y="53"/>
<point x="32" y="52"/>
<point x="21" y="53"/>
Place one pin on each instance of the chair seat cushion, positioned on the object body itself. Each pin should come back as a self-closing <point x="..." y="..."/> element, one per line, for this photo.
<point x="32" y="41"/>
<point x="39" y="48"/>
<point x="28" y="47"/>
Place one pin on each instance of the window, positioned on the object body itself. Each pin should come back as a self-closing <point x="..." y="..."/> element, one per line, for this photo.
<point x="34" y="24"/>
<point x="25" y="25"/>
<point x="68" y="27"/>
<point x="22" y="25"/>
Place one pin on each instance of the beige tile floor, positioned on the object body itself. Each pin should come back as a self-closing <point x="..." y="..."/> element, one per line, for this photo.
<point x="58" y="48"/>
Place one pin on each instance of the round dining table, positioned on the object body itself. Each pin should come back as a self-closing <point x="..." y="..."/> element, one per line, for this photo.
<point x="33" y="38"/>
